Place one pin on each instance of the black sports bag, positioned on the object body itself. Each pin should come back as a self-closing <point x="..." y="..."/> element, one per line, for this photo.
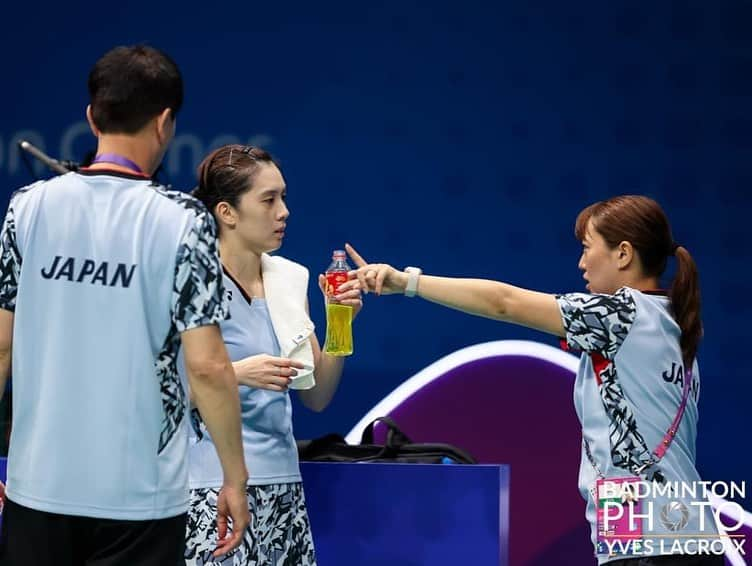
<point x="397" y="448"/>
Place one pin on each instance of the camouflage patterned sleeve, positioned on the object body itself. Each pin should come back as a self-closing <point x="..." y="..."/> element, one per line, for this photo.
<point x="10" y="263"/>
<point x="597" y="323"/>
<point x="198" y="294"/>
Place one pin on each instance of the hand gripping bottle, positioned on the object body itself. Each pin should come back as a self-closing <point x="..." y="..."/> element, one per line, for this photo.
<point x="339" y="340"/>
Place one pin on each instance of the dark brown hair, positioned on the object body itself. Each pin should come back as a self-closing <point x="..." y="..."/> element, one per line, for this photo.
<point x="228" y="172"/>
<point x="641" y="221"/>
<point x="128" y="86"/>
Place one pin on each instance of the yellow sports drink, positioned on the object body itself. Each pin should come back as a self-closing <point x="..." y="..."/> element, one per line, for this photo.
<point x="339" y="339"/>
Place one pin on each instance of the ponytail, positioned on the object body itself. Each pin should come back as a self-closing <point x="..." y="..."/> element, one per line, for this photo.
<point x="685" y="302"/>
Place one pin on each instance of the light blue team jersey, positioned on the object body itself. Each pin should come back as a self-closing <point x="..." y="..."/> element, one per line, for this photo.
<point x="628" y="389"/>
<point x="103" y="271"/>
<point x="271" y="454"/>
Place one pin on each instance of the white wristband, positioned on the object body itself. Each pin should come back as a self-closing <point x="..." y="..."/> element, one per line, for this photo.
<point x="413" y="273"/>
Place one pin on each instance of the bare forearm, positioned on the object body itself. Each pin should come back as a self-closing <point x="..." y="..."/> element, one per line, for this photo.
<point x="327" y="373"/>
<point x="493" y="299"/>
<point x="475" y="296"/>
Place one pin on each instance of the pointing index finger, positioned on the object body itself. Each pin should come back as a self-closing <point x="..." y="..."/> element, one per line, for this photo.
<point x="356" y="257"/>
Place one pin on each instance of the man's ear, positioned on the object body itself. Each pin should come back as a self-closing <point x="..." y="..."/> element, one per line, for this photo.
<point x="90" y="119"/>
<point x="165" y="126"/>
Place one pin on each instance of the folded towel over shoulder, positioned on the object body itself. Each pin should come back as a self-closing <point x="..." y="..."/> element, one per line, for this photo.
<point x="286" y="291"/>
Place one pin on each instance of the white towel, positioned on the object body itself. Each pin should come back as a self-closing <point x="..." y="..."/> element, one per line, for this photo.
<point x="286" y="290"/>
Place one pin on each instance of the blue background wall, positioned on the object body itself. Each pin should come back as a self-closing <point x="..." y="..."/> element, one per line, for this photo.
<point x="461" y="138"/>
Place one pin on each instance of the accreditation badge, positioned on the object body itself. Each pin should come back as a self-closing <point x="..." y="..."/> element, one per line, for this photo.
<point x="618" y="520"/>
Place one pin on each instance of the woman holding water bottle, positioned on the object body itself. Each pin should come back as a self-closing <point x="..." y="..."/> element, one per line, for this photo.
<point x="637" y="386"/>
<point x="270" y="339"/>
